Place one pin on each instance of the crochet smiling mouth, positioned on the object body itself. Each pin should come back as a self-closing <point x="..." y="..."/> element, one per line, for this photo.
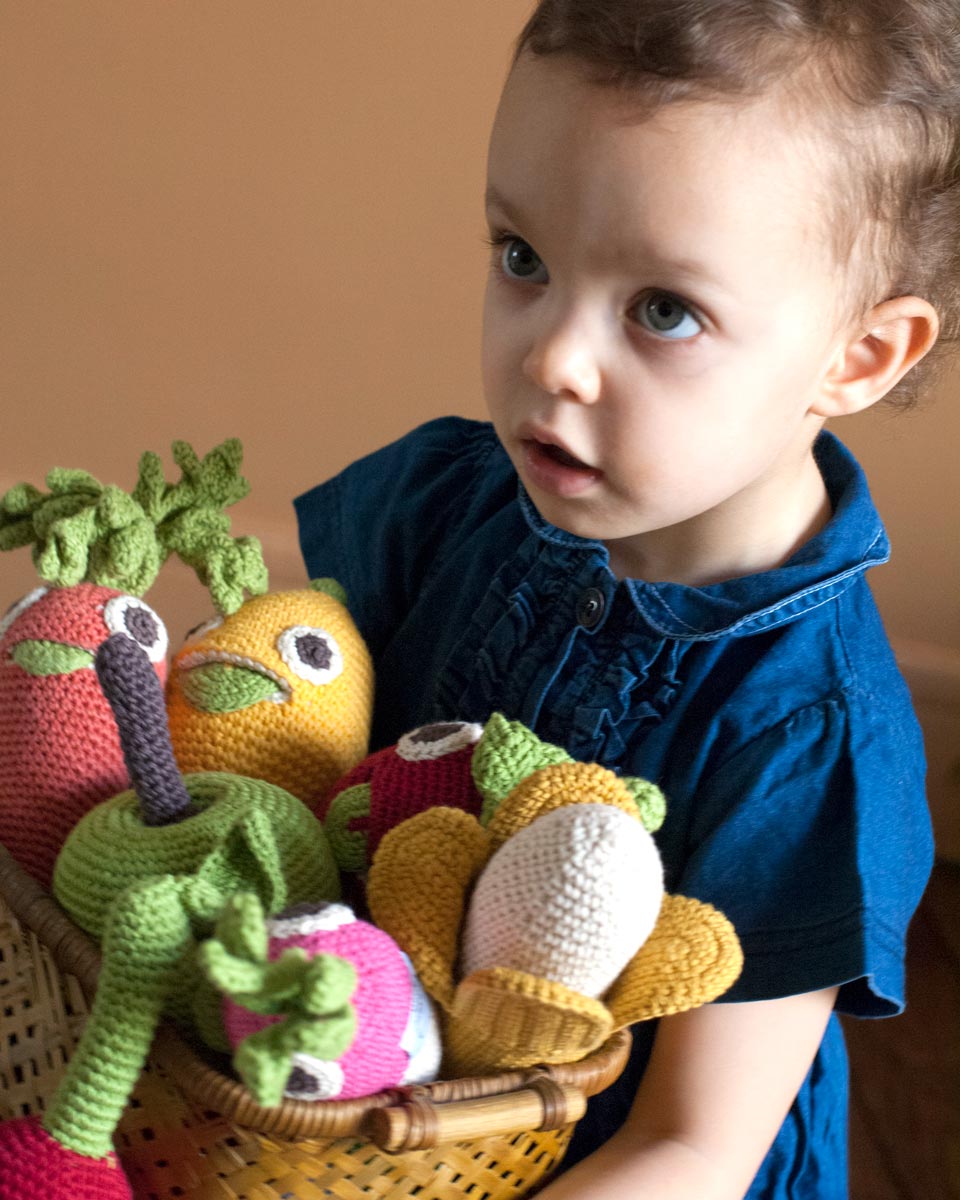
<point x="218" y="682"/>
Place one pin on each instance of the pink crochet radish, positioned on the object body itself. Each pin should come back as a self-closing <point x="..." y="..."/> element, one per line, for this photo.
<point x="318" y="1004"/>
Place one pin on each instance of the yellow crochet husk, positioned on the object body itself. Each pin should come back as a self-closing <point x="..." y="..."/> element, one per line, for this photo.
<point x="303" y="744"/>
<point x="418" y="887"/>
<point x="692" y="956"/>
<point x="503" y="1018"/>
<point x="558" y="786"/>
<point x="418" y="891"/>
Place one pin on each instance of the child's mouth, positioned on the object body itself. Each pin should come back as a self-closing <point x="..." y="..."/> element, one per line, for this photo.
<point x="554" y="469"/>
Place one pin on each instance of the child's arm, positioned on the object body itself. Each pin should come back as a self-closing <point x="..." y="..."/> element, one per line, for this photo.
<point x="718" y="1085"/>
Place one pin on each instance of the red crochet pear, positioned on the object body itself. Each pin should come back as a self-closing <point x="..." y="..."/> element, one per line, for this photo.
<point x="34" y="1166"/>
<point x="59" y="750"/>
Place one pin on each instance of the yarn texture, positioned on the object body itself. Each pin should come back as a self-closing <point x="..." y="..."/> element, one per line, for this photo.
<point x="452" y="764"/>
<point x="281" y="690"/>
<point x="511" y="1013"/>
<point x="429" y="766"/>
<point x="85" y="531"/>
<point x="568" y="898"/>
<point x="33" y="1166"/>
<point x="321" y="1005"/>
<point x="59" y="750"/>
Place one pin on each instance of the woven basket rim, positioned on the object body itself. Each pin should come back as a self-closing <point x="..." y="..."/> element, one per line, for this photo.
<point x="77" y="954"/>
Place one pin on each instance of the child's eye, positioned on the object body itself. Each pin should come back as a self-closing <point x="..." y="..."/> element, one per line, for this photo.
<point x="666" y="315"/>
<point x="519" y="260"/>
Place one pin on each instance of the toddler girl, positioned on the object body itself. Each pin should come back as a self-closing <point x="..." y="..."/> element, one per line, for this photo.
<point x="715" y="225"/>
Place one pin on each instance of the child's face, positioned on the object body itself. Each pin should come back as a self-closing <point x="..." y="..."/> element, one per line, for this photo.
<point x="660" y="316"/>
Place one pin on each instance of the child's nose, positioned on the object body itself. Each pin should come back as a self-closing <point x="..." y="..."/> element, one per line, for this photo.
<point x="563" y="361"/>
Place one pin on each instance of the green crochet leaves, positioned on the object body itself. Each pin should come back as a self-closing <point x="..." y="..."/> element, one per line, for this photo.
<point x="50" y="658"/>
<point x="349" y="846"/>
<point x="312" y="994"/>
<point x="508" y="752"/>
<point x="84" y="531"/>
<point x="650" y="801"/>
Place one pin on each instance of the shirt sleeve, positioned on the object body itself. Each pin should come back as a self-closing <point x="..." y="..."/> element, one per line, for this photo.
<point x="382" y="526"/>
<point x="820" y="857"/>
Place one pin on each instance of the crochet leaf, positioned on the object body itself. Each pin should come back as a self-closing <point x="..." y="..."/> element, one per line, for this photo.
<point x="85" y="532"/>
<point x="506" y="754"/>
<point x="502" y="1018"/>
<point x="330" y="587"/>
<point x="215" y="481"/>
<point x="650" y="801"/>
<point x="263" y="1058"/>
<point x="17" y="507"/>
<point x="242" y="929"/>
<point x="236" y="961"/>
<point x="152" y="492"/>
<point x="229" y="974"/>
<point x="417" y="889"/>
<point x="39" y="657"/>
<point x="692" y="956"/>
<point x="349" y="845"/>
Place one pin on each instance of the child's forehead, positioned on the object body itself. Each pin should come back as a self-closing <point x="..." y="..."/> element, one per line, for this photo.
<point x="560" y="140"/>
<point x="556" y="99"/>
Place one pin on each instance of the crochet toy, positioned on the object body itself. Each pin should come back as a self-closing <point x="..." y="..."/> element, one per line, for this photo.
<point x="281" y="690"/>
<point x="567" y="935"/>
<point x="98" y="548"/>
<point x="148" y="873"/>
<point x="318" y="1004"/>
<point x="453" y="764"/>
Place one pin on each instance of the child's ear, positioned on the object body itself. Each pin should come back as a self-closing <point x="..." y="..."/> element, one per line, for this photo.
<point x="892" y="338"/>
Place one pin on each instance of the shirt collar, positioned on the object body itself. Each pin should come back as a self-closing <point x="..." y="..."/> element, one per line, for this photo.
<point x="852" y="541"/>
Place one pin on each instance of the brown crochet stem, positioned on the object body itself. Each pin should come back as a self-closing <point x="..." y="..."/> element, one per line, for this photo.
<point x="134" y="692"/>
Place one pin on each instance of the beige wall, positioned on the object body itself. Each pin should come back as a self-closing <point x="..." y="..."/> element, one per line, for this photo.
<point x="239" y="218"/>
<point x="227" y="217"/>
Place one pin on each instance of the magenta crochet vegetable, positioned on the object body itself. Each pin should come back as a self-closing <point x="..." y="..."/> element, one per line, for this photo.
<point x="98" y="549"/>
<point x="319" y="1005"/>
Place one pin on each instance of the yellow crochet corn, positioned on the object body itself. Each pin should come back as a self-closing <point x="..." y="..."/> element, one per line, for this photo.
<point x="498" y="1018"/>
<point x="280" y="690"/>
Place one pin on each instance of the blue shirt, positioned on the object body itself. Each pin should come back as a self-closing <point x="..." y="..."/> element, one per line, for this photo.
<point x="768" y="708"/>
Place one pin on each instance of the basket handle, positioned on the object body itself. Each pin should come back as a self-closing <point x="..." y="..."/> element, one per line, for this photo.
<point x="420" y="1123"/>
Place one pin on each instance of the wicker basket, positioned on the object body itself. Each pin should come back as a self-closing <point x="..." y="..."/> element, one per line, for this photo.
<point x="192" y="1131"/>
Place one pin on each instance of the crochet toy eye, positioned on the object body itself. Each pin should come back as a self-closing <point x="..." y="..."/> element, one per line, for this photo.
<point x="313" y="654"/>
<point x="127" y="614"/>
<point x="20" y="606"/>
<point x="437" y="740"/>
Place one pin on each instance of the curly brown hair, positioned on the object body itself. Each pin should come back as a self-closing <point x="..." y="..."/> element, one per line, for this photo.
<point x="882" y="77"/>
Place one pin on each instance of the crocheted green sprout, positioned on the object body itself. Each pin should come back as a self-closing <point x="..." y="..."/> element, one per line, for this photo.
<point x="148" y="873"/>
<point x="312" y="995"/>
<point x="83" y="531"/>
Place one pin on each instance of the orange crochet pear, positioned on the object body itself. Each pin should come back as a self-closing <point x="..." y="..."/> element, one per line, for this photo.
<point x="281" y="690"/>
